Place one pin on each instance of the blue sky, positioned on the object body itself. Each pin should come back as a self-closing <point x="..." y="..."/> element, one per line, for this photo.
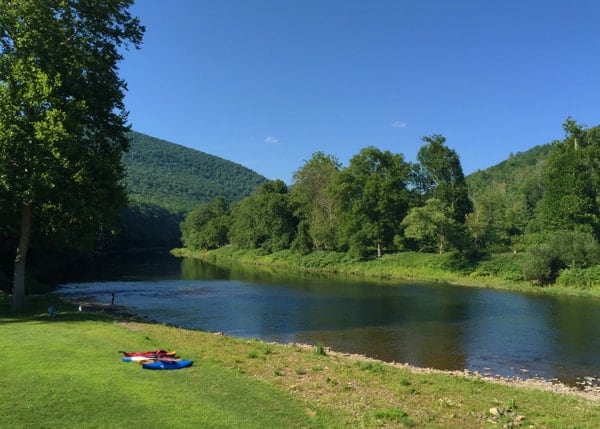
<point x="266" y="83"/>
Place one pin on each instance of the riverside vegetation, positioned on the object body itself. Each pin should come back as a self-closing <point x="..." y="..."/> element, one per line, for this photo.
<point x="68" y="373"/>
<point x="498" y="271"/>
<point x="534" y="219"/>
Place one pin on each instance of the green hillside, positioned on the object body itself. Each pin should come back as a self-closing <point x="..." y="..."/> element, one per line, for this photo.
<point x="513" y="174"/>
<point x="507" y="195"/>
<point x="164" y="181"/>
<point x="178" y="178"/>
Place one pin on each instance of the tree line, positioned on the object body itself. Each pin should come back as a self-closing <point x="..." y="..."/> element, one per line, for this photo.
<point x="381" y="203"/>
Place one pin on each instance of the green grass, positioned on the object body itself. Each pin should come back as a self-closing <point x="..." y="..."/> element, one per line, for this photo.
<point x="66" y="372"/>
<point x="499" y="271"/>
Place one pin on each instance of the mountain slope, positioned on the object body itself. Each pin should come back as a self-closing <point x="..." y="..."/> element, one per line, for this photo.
<point x="164" y="181"/>
<point x="514" y="174"/>
<point x="179" y="178"/>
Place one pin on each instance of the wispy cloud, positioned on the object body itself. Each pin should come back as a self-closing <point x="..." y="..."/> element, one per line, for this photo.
<point x="271" y="140"/>
<point x="399" y="124"/>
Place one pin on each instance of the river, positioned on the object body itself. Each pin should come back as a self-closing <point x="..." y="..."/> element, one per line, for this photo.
<point x="438" y="326"/>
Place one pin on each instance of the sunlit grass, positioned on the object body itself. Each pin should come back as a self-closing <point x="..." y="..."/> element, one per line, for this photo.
<point x="66" y="372"/>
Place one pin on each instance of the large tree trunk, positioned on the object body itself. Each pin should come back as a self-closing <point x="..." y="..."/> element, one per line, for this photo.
<point x="18" y="302"/>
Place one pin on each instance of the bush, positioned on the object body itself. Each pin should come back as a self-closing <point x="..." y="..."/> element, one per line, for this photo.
<point x="584" y="278"/>
<point x="320" y="349"/>
<point x="562" y="249"/>
<point x="541" y="265"/>
<point x="508" y="266"/>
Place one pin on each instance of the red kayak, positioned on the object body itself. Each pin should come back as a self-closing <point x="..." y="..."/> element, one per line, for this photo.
<point x="150" y="354"/>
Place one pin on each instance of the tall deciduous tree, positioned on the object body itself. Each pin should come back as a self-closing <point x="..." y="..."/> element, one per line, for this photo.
<point x="571" y="183"/>
<point x="314" y="202"/>
<point x="430" y="225"/>
<point x="264" y="219"/>
<point x="439" y="175"/>
<point x="372" y="199"/>
<point x="62" y="117"/>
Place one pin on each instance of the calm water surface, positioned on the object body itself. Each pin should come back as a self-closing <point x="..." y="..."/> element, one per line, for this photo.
<point x="443" y="327"/>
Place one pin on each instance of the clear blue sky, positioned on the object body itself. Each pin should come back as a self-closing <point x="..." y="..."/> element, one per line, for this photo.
<point x="266" y="83"/>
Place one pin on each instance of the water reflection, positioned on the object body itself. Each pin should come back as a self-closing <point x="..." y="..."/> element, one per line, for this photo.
<point x="443" y="327"/>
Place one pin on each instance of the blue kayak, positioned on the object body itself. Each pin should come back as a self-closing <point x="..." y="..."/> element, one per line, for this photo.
<point x="168" y="364"/>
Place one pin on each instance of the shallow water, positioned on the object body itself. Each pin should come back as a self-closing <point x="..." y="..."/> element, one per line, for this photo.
<point x="444" y="327"/>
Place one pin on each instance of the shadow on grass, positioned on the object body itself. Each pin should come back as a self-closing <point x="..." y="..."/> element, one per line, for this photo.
<point x="459" y="263"/>
<point x="37" y="310"/>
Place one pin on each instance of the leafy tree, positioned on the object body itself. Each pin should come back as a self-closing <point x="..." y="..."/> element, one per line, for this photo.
<point x="314" y="203"/>
<point x="558" y="250"/>
<point x="439" y="175"/>
<point x="207" y="226"/>
<point x="486" y="223"/>
<point x="570" y="180"/>
<point x="517" y="183"/>
<point x="62" y="118"/>
<point x="372" y="199"/>
<point x="264" y="219"/>
<point x="431" y="226"/>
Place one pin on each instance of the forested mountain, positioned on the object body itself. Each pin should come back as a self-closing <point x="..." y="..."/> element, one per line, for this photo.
<point x="513" y="173"/>
<point x="164" y="181"/>
<point x="178" y="178"/>
<point x="505" y="196"/>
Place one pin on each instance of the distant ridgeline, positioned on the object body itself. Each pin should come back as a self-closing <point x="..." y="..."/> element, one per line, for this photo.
<point x="165" y="180"/>
<point x="178" y="178"/>
<point x="516" y="175"/>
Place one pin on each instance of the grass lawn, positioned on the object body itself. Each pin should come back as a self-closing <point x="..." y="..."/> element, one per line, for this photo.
<point x="67" y="372"/>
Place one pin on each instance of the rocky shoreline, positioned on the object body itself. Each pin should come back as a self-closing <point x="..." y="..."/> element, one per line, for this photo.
<point x="586" y="387"/>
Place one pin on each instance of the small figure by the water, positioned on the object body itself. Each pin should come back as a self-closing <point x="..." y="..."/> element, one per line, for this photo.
<point x="52" y="312"/>
<point x="112" y="300"/>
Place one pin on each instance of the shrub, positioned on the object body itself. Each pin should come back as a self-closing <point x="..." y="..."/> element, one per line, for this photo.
<point x="374" y="367"/>
<point x="561" y="249"/>
<point x="541" y="265"/>
<point x="396" y="415"/>
<point x="320" y="349"/>
<point x="584" y="278"/>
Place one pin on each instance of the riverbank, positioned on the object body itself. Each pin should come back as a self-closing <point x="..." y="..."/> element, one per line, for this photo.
<point x="244" y="383"/>
<point x="498" y="271"/>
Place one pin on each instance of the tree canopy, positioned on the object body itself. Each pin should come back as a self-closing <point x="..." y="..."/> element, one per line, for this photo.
<point x="545" y="202"/>
<point x="314" y="202"/>
<point x="439" y="175"/>
<point x="373" y="199"/>
<point x="571" y="193"/>
<point x="62" y="118"/>
<point x="264" y="220"/>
